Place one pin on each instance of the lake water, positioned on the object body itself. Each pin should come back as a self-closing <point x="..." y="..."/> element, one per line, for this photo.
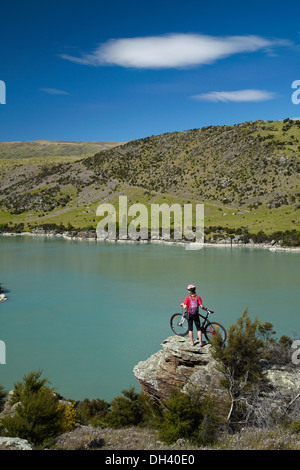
<point x="86" y="313"/>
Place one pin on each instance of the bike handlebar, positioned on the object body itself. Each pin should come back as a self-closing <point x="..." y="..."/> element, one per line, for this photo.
<point x="208" y="311"/>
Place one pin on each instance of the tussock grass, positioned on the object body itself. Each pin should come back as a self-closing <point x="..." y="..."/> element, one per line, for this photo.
<point x="134" y="438"/>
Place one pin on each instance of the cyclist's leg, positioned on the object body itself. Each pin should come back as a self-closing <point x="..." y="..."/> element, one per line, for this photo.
<point x="190" y="323"/>
<point x="198" y="326"/>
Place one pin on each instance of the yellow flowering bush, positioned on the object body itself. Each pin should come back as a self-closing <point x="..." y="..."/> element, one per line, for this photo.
<point x="69" y="413"/>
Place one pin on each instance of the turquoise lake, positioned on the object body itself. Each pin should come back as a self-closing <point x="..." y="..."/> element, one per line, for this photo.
<point x="86" y="313"/>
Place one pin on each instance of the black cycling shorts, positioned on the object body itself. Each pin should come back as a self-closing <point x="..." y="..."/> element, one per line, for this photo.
<point x="194" y="318"/>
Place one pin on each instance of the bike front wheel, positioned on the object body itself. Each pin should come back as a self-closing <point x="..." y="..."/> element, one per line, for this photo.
<point x="179" y="324"/>
<point x="213" y="329"/>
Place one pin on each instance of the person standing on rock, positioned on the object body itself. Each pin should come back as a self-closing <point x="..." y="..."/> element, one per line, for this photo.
<point x="192" y="303"/>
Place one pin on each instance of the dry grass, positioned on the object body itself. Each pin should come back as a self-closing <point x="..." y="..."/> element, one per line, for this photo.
<point x="88" y="438"/>
<point x="134" y="438"/>
<point x="258" y="439"/>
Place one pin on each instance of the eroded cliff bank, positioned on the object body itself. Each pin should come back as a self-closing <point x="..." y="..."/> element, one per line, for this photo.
<point x="180" y="365"/>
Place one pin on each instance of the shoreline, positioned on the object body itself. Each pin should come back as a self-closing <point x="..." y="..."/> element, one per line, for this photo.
<point x="221" y="244"/>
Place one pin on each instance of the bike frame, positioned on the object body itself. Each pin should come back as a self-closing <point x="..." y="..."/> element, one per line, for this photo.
<point x="208" y="328"/>
<point x="205" y="323"/>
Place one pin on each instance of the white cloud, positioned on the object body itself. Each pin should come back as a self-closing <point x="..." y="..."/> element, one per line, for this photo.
<point x="236" y="96"/>
<point x="54" y="91"/>
<point x="172" y="50"/>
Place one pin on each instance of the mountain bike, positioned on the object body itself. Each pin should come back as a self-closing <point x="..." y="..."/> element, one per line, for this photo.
<point x="179" y="325"/>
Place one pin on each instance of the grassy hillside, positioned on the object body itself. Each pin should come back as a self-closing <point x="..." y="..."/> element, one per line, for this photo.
<point x="237" y="165"/>
<point x="51" y="148"/>
<point x="247" y="175"/>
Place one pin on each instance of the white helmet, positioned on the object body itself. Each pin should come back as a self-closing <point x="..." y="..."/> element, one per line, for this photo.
<point x="191" y="286"/>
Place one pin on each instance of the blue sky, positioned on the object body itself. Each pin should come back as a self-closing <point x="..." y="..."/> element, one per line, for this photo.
<point x="122" y="70"/>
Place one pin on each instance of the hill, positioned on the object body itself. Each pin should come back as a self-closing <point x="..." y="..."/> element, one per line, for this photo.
<point x="51" y="148"/>
<point x="247" y="175"/>
<point x="241" y="164"/>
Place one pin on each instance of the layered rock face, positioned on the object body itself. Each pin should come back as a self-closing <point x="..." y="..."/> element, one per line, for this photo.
<point x="177" y="365"/>
<point x="180" y="365"/>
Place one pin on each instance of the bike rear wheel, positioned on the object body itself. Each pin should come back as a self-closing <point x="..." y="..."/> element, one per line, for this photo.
<point x="214" y="328"/>
<point x="179" y="324"/>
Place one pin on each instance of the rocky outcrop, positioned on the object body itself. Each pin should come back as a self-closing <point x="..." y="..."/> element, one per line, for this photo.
<point x="180" y="365"/>
<point x="14" y="443"/>
<point x="177" y="365"/>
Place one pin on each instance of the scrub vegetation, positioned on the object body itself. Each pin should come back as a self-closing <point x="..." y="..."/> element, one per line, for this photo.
<point x="239" y="418"/>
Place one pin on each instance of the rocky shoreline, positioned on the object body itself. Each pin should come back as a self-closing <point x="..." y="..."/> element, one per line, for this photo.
<point x="2" y="295"/>
<point x="90" y="235"/>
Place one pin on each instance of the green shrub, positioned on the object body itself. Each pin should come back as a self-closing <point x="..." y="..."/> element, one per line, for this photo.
<point x="189" y="416"/>
<point x="125" y="410"/>
<point x="32" y="383"/>
<point x="92" y="411"/>
<point x="3" y="394"/>
<point x="295" y="427"/>
<point x="38" y="415"/>
<point x="239" y="360"/>
<point x="179" y="419"/>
